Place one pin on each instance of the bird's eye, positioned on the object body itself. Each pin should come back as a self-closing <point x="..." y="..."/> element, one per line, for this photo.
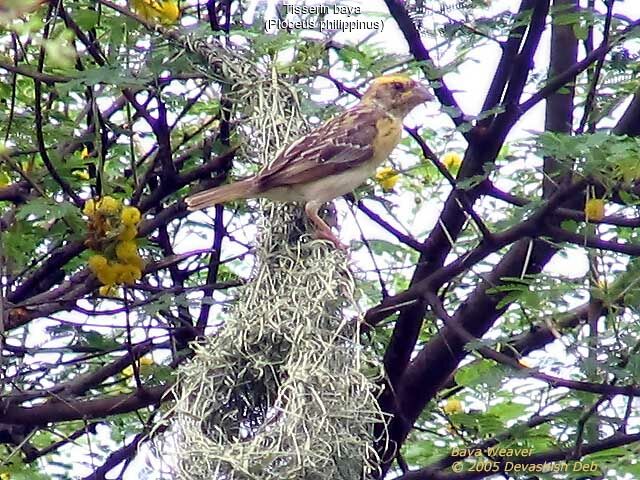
<point x="398" y="86"/>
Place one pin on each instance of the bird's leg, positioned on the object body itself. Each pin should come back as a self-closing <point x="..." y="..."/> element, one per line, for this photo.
<point x="323" y="230"/>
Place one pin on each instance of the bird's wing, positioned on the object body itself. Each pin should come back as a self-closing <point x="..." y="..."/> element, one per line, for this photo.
<point x="338" y="145"/>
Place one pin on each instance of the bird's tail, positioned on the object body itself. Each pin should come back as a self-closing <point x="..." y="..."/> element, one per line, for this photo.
<point x="225" y="193"/>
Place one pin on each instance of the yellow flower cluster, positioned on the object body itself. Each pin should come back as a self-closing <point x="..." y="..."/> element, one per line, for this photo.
<point x="112" y="232"/>
<point x="115" y="273"/>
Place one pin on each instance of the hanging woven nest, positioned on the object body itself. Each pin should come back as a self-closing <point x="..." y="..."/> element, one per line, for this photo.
<point x="284" y="389"/>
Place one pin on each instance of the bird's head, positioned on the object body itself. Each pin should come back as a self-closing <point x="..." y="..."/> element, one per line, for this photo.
<point x="396" y="94"/>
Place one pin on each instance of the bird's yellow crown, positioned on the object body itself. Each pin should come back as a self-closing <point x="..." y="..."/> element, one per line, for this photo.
<point x="396" y="94"/>
<point x="386" y="79"/>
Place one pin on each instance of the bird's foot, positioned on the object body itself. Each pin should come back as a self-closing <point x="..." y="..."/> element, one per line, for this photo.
<point x="328" y="235"/>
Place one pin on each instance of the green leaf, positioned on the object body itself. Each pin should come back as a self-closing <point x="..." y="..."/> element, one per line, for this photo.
<point x="86" y="19"/>
<point x="97" y="340"/>
<point x="477" y="373"/>
<point x="508" y="411"/>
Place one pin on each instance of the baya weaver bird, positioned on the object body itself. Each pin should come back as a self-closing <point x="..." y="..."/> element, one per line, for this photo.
<point x="333" y="159"/>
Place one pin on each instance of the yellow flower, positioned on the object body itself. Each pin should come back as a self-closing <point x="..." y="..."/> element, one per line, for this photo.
<point x="89" y="207"/>
<point x="117" y="268"/>
<point x="453" y="406"/>
<point x="142" y="362"/>
<point x="107" y="290"/>
<point x="97" y="263"/>
<point x="127" y="251"/>
<point x="594" y="209"/>
<point x="85" y="153"/>
<point x="128" y="274"/>
<point x="136" y="261"/>
<point x="5" y="476"/>
<point x="81" y="174"/>
<point x="387" y="178"/>
<point x="146" y="361"/>
<point x="129" y="233"/>
<point x="452" y="160"/>
<point x="130" y="216"/>
<point x="163" y="11"/>
<point x="108" y="205"/>
<point x="108" y="275"/>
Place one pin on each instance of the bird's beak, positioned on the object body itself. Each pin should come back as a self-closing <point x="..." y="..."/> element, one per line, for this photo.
<point x="422" y="93"/>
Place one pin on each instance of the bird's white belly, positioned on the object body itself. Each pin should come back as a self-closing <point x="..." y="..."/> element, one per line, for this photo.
<point x="324" y="189"/>
<point x="334" y="186"/>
